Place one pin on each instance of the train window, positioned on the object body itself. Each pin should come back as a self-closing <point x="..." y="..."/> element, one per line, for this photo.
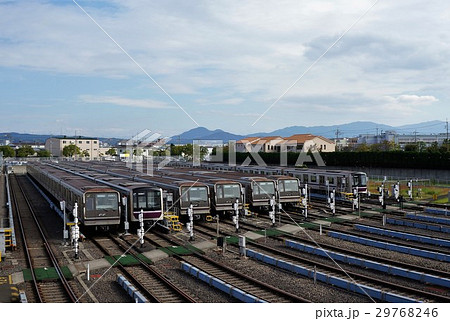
<point x="106" y="201"/>
<point x="288" y="185"/>
<point x="331" y="180"/>
<point x="184" y="195"/>
<point x="141" y="201"/>
<point x="154" y="199"/>
<point x="359" y="180"/>
<point x="101" y="201"/>
<point x="228" y="191"/>
<point x="322" y="180"/>
<point x="147" y="200"/>
<point x="194" y="194"/>
<point x="90" y="201"/>
<point x="313" y="178"/>
<point x="263" y="188"/>
<point x="305" y="178"/>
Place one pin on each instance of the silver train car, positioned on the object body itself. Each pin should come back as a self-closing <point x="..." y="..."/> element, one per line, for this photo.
<point x="343" y="181"/>
<point x="136" y="197"/>
<point x="223" y="192"/>
<point x="320" y="181"/>
<point x="98" y="206"/>
<point x="179" y="195"/>
<point x="258" y="191"/>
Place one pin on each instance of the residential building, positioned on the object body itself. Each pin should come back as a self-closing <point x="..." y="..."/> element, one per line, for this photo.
<point x="249" y="142"/>
<point x="294" y="143"/>
<point x="55" y="145"/>
<point x="305" y="142"/>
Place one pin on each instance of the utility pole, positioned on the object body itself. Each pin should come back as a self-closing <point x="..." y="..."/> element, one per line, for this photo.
<point x="337" y="135"/>
<point x="446" y="127"/>
<point x="337" y="132"/>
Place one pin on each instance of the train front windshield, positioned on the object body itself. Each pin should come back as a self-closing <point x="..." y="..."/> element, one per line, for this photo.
<point x="231" y="191"/>
<point x="263" y="188"/>
<point x="147" y="200"/>
<point x="102" y="202"/>
<point x="288" y="185"/>
<point x="360" y="180"/>
<point x="194" y="194"/>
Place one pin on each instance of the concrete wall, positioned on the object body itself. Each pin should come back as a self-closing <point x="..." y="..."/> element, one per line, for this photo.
<point x="18" y="169"/>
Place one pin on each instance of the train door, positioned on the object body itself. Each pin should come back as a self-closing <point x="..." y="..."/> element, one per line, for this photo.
<point x="305" y="179"/>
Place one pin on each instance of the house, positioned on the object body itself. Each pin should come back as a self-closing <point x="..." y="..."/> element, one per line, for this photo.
<point x="304" y="142"/>
<point x="249" y="141"/>
<point x="294" y="143"/>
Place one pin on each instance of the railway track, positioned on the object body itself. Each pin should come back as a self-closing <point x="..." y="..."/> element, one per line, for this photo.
<point x="332" y="269"/>
<point x="296" y="217"/>
<point x="235" y="278"/>
<point x="230" y="231"/>
<point x="152" y="283"/>
<point x="38" y="252"/>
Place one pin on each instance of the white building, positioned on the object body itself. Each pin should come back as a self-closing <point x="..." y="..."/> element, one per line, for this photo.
<point x="294" y="143"/>
<point x="55" y="145"/>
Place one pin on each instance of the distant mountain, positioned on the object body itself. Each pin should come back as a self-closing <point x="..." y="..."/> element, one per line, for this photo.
<point x="24" y="138"/>
<point x="202" y="133"/>
<point x="345" y="130"/>
<point x="429" y="127"/>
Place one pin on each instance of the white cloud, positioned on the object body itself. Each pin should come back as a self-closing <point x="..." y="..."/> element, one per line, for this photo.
<point x="242" y="54"/>
<point x="414" y="99"/>
<point x="127" y="102"/>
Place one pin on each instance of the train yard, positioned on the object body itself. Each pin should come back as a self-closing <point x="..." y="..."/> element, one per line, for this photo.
<point x="217" y="234"/>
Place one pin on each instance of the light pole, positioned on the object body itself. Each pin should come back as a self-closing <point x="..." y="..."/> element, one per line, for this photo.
<point x="236" y="214"/>
<point x="65" y="232"/>
<point x="305" y="200"/>
<point x="190" y="211"/>
<point x="76" y="230"/>
<point x="141" y="230"/>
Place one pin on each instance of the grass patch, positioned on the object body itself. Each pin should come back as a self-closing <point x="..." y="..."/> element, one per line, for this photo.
<point x="421" y="190"/>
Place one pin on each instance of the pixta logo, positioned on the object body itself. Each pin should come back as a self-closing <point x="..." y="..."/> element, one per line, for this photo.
<point x="140" y="150"/>
<point x="254" y="149"/>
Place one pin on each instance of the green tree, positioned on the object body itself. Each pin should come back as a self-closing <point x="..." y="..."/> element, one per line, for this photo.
<point x="71" y="150"/>
<point x="111" y="152"/>
<point x="85" y="153"/>
<point x="434" y="148"/>
<point x="410" y="148"/>
<point x="421" y="147"/>
<point x="43" y="153"/>
<point x="376" y="148"/>
<point x="362" y="148"/>
<point x="445" y="148"/>
<point x="8" y="151"/>
<point x="25" y="151"/>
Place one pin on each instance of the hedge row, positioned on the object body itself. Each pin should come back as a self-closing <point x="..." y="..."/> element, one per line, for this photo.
<point x="396" y="159"/>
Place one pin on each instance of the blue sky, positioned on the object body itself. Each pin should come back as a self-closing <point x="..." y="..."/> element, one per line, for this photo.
<point x="223" y="62"/>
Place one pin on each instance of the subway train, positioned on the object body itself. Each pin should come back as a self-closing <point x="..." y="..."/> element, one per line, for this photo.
<point x="98" y="205"/>
<point x="135" y="196"/>
<point x="179" y="195"/>
<point x="344" y="182"/>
